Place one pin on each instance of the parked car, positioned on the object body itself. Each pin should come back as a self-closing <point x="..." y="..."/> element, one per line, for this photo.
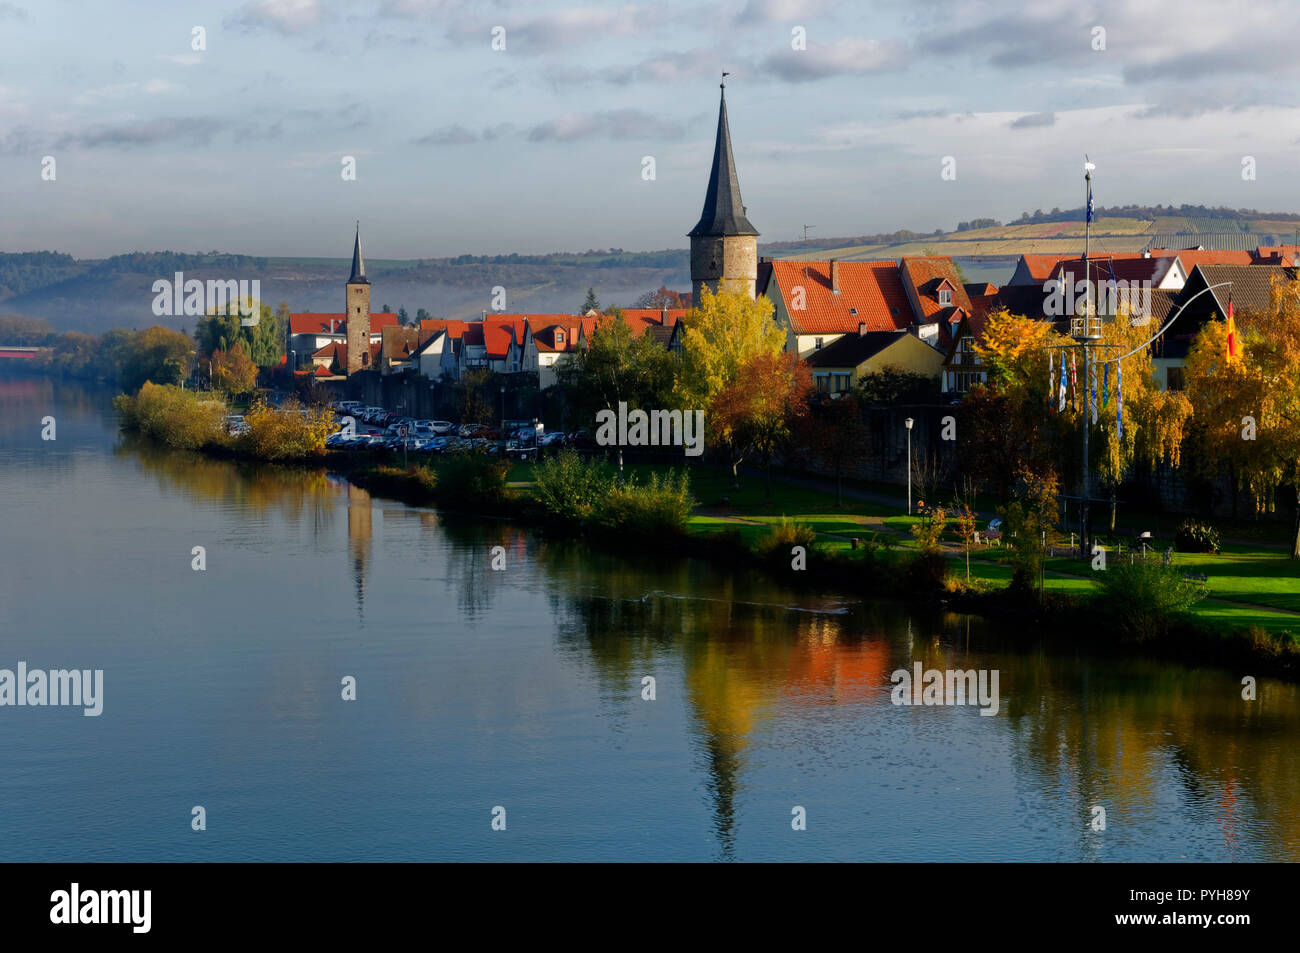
<point x="442" y="427"/>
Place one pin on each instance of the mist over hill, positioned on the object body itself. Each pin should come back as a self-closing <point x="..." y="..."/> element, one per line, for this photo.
<point x="95" y="295"/>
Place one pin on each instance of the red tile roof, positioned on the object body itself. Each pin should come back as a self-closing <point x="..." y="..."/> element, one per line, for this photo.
<point x="873" y="288"/>
<point x="1191" y="257"/>
<point x="926" y="277"/>
<point x="1151" y="269"/>
<point x="1040" y="267"/>
<point x="431" y="326"/>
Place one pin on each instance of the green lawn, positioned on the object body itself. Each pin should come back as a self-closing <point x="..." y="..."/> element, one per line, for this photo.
<point x="1260" y="577"/>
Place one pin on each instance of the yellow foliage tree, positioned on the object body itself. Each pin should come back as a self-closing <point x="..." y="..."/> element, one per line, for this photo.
<point x="722" y="334"/>
<point x="287" y="432"/>
<point x="1262" y="384"/>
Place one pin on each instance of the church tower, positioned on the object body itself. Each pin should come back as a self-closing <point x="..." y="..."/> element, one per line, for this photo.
<point x="724" y="246"/>
<point x="358" y="312"/>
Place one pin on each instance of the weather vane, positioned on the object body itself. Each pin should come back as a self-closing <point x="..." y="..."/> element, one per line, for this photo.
<point x="723" y="84"/>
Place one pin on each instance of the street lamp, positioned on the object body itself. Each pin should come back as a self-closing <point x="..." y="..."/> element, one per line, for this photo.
<point x="503" y="411"/>
<point x="908" y="424"/>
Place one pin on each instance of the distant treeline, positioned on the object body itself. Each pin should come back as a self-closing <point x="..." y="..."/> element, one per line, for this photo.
<point x="21" y="272"/>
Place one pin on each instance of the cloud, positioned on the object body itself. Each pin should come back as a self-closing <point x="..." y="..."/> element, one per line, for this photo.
<point x="1033" y="121"/>
<point x="414" y="9"/>
<point x="844" y="57"/>
<point x="576" y="26"/>
<point x="458" y="135"/>
<point x="11" y="11"/>
<point x="662" y="68"/>
<point x="145" y="132"/>
<point x="455" y="135"/>
<point x="613" y="124"/>
<point x="281" y="16"/>
<point x="777" y="11"/>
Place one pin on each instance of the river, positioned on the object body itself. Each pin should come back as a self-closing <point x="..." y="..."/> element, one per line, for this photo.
<point x="522" y="689"/>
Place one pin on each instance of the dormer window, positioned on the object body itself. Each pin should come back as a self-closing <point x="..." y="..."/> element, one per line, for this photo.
<point x="853" y="311"/>
<point x="945" y="296"/>
<point x="817" y="342"/>
<point x="559" y="338"/>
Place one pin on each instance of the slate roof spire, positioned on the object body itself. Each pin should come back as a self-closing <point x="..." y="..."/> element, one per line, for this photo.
<point x="724" y="213"/>
<point x="358" y="264"/>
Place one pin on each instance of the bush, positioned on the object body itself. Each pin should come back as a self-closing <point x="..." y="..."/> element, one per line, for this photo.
<point x="173" y="417"/>
<point x="927" y="571"/>
<point x="472" y="477"/>
<point x="1143" y="597"/>
<point x="776" y="545"/>
<point x="929" y="527"/>
<point x="1194" y="536"/>
<point x="658" y="508"/>
<point x="570" y="487"/>
<point x="283" y="433"/>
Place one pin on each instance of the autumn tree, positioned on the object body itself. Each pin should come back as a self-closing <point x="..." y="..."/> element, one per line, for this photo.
<point x="758" y="412"/>
<point x="233" y="371"/>
<point x="722" y="335"/>
<point x="1268" y="376"/>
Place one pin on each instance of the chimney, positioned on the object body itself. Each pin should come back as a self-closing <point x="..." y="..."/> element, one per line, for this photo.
<point x="862" y="328"/>
<point x="835" y="277"/>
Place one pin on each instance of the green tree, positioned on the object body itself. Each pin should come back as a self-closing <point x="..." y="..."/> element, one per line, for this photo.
<point x="618" y="365"/>
<point x="19" y="331"/>
<point x="159" y="355"/>
<point x="590" y="303"/>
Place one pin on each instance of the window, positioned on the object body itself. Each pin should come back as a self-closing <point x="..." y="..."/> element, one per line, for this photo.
<point x="840" y="383"/>
<point x="1174" y="378"/>
<point x="945" y="296"/>
<point x="823" y="383"/>
<point x="853" y="310"/>
<point x="817" y="342"/>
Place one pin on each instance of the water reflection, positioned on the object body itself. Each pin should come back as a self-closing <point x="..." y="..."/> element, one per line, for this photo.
<point x="775" y="687"/>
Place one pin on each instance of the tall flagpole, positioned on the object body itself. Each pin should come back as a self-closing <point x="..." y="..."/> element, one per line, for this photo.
<point x="1085" y="540"/>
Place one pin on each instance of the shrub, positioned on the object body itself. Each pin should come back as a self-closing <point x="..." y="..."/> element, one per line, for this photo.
<point x="660" y="507"/>
<point x="929" y="528"/>
<point x="284" y="433"/>
<point x="776" y="545"/>
<point x="1143" y="597"/>
<point x="570" y="487"/>
<point x="472" y="477"/>
<point x="927" y="571"/>
<point x="173" y="417"/>
<point x="1194" y="536"/>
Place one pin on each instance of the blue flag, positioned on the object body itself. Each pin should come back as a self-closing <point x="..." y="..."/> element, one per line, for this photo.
<point x="1105" y="384"/>
<point x="1092" y="381"/>
<point x="1091" y="215"/>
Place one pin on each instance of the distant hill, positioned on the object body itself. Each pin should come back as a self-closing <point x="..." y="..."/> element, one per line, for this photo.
<point x="94" y="295"/>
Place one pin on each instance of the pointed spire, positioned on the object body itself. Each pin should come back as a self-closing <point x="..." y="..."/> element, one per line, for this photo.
<point x="358" y="264"/>
<point x="724" y="213"/>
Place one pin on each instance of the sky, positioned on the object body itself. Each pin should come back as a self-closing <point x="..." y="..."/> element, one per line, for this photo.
<point x="461" y="148"/>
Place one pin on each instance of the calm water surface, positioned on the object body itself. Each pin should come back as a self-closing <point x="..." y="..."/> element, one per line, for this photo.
<point x="522" y="688"/>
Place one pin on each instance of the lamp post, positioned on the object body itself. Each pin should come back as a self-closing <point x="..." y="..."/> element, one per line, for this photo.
<point x="908" y="424"/>
<point x="503" y="411"/>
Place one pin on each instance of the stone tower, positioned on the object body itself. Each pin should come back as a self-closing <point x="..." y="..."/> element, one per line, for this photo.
<point x="724" y="246"/>
<point x="358" y="312"/>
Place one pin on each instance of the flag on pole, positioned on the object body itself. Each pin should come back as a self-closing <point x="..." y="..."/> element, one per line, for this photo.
<point x="1232" y="334"/>
<point x="1092" y="381"/>
<point x="1091" y="216"/>
<point x="1074" y="381"/>
<point x="1051" y="378"/>
<point x="1061" y="407"/>
<point x="1105" y="384"/>
<point x="1119" y="399"/>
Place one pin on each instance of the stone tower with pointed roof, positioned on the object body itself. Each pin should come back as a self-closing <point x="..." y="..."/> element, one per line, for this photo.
<point x="724" y="246"/>
<point x="358" y="312"/>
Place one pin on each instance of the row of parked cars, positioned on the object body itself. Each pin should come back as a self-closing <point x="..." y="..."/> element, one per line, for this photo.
<point x="377" y="428"/>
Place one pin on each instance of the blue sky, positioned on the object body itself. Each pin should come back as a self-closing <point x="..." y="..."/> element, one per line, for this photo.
<point x="464" y="149"/>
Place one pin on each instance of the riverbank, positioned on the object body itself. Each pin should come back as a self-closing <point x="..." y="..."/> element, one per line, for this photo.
<point x="885" y="563"/>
